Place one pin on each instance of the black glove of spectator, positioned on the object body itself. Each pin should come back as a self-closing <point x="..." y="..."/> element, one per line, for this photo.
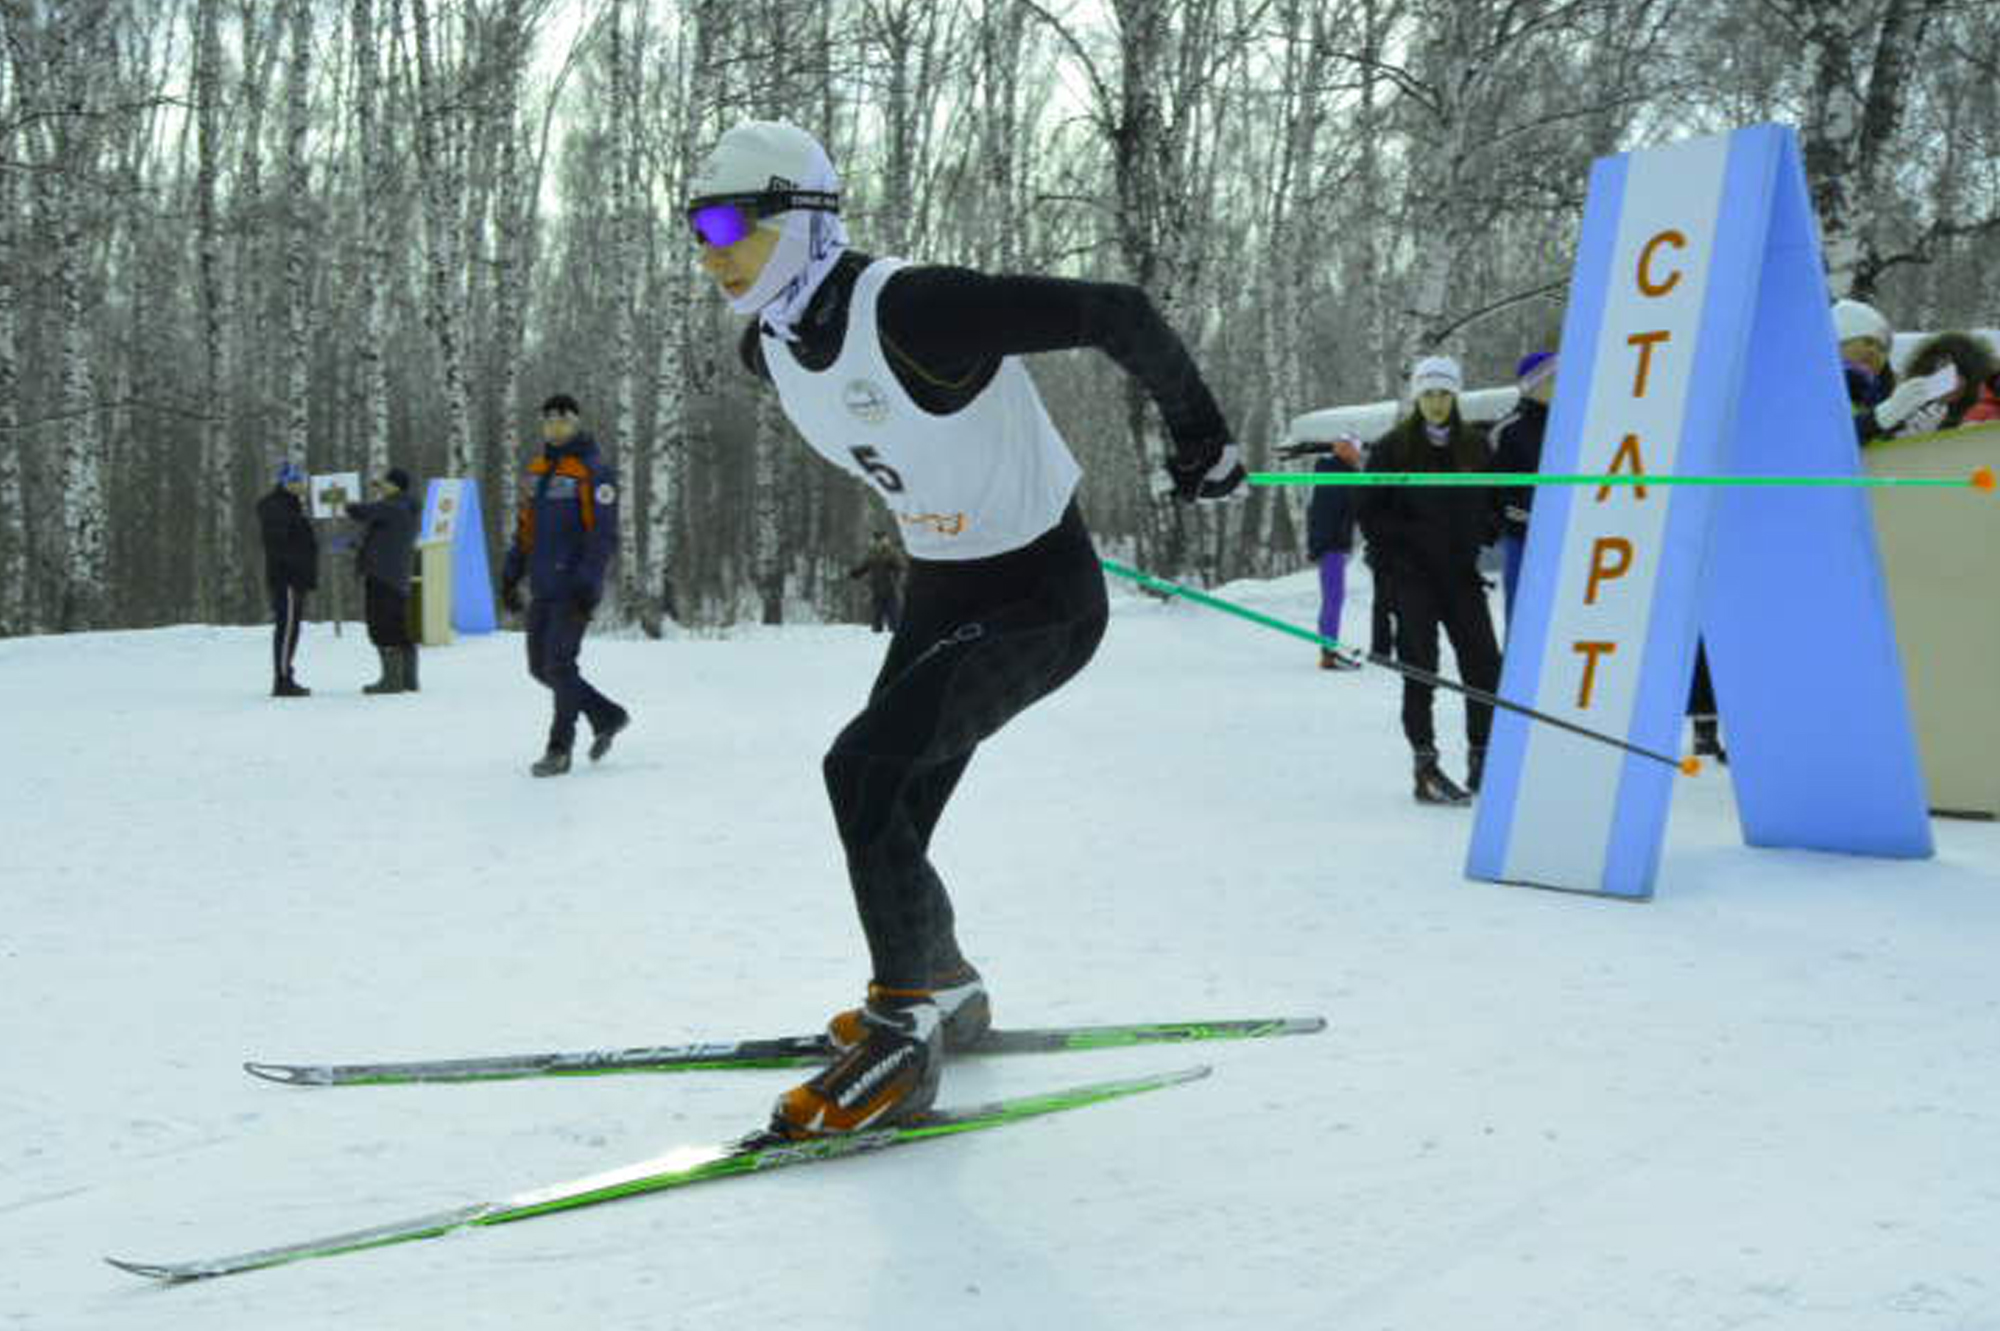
<point x="1208" y="479"/>
<point x="586" y="604"/>
<point x="510" y="596"/>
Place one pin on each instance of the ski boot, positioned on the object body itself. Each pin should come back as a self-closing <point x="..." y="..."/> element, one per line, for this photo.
<point x="1432" y="785"/>
<point x="962" y="1005"/>
<point x="287" y="687"/>
<point x="890" y="1077"/>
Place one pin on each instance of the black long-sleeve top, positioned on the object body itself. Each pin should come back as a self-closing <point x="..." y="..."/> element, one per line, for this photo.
<point x="946" y="329"/>
<point x="291" y="548"/>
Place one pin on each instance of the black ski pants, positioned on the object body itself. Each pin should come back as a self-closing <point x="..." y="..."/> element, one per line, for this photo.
<point x="1456" y="603"/>
<point x="288" y="612"/>
<point x="555" y="640"/>
<point x="979" y="641"/>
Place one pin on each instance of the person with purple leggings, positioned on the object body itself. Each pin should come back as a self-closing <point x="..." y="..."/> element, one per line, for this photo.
<point x="1329" y="541"/>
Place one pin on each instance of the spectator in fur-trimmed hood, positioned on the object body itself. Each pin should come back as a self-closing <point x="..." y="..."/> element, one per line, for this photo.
<point x="1977" y="397"/>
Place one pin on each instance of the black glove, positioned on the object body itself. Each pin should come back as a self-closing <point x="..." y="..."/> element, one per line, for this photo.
<point x="1207" y="479"/>
<point x="586" y="604"/>
<point x="510" y="596"/>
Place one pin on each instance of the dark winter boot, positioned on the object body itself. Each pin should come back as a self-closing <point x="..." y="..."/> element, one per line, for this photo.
<point x="392" y="673"/>
<point x="1707" y="743"/>
<point x="600" y="743"/>
<point x="287" y="687"/>
<point x="553" y="763"/>
<point x="961" y="1002"/>
<point x="1475" y="767"/>
<point x="1432" y="785"/>
<point x="890" y="1077"/>
<point x="409" y="655"/>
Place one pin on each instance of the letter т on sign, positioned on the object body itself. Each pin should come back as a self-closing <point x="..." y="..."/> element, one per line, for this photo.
<point x="1698" y="339"/>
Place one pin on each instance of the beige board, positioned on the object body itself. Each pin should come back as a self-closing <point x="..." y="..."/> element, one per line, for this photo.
<point x="1941" y="558"/>
<point x="434" y="593"/>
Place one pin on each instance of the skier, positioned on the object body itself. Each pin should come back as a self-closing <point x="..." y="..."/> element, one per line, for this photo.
<point x="565" y="535"/>
<point x="1428" y="538"/>
<point x="384" y="563"/>
<point x="291" y="571"/>
<point x="907" y="376"/>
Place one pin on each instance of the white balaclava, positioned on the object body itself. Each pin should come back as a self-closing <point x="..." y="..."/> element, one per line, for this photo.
<point x="759" y="156"/>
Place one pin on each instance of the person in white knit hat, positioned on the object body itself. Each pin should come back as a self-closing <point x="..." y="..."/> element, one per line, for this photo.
<point x="909" y="377"/>
<point x="1883" y="404"/>
<point x="1426" y="542"/>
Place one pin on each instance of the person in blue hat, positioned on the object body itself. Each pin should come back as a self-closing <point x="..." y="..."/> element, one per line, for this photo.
<point x="1517" y="446"/>
<point x="291" y="571"/>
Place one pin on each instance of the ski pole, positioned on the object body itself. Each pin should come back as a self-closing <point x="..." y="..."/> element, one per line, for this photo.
<point x="1689" y="765"/>
<point x="1982" y="479"/>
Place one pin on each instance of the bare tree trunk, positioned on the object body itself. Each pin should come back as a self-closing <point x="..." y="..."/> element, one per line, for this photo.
<point x="679" y="430"/>
<point x="13" y="495"/>
<point x="214" y="547"/>
<point x="373" y="270"/>
<point x="443" y="195"/>
<point x="298" y="208"/>
<point x="625" y="280"/>
<point x="768" y="508"/>
<point x="248" y="252"/>
<point x="1849" y="128"/>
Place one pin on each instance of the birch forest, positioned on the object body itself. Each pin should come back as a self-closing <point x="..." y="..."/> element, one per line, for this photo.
<point x="371" y="233"/>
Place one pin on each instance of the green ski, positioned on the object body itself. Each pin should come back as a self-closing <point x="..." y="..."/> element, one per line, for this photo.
<point x="749" y="1155"/>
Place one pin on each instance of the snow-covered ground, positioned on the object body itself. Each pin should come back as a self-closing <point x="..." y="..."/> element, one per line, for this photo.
<point x="1771" y="1097"/>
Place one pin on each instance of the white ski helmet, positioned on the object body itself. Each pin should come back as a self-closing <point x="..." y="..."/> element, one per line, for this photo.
<point x="783" y="178"/>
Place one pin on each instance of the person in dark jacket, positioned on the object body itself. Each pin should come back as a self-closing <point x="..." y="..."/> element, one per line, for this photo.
<point x="1517" y="446"/>
<point x="1429" y="538"/>
<point x="565" y="535"/>
<point x="883" y="567"/>
<point x="291" y="570"/>
<point x="1329" y="541"/>
<point x="388" y="545"/>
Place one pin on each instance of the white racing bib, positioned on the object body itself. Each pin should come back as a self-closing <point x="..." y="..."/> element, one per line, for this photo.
<point x="987" y="479"/>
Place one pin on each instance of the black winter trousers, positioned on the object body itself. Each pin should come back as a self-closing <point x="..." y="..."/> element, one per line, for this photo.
<point x="1426" y="603"/>
<point x="288" y="612"/>
<point x="979" y="642"/>
<point x="388" y="612"/>
<point x="555" y="640"/>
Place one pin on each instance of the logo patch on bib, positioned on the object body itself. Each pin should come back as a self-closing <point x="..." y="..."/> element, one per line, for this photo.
<point x="866" y="401"/>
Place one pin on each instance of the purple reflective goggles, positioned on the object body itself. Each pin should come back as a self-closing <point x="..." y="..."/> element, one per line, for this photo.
<point x="721" y="220"/>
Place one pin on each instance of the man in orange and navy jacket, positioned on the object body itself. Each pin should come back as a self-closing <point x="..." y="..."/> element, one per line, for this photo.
<point x="564" y="538"/>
